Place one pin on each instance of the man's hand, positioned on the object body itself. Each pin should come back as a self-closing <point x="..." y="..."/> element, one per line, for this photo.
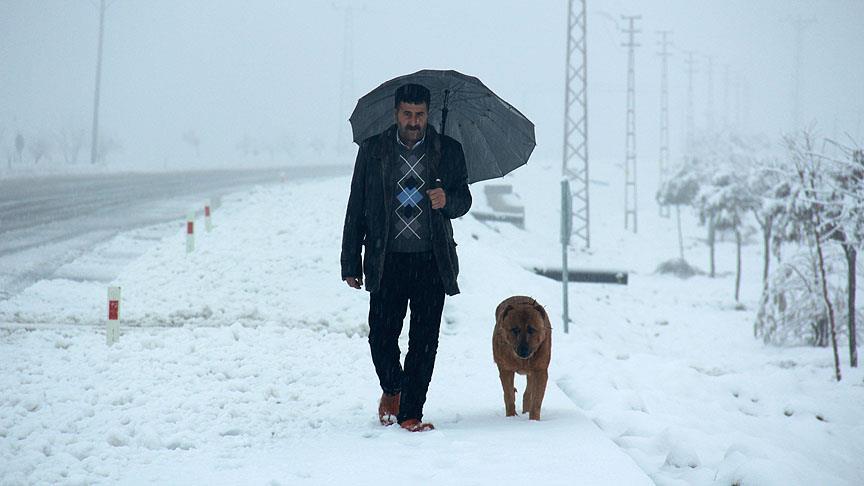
<point x="437" y="197"/>
<point x="354" y="282"/>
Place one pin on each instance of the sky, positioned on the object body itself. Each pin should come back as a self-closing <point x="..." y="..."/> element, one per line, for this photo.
<point x="271" y="74"/>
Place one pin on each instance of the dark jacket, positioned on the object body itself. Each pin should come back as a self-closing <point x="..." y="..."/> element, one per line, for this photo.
<point x="370" y="206"/>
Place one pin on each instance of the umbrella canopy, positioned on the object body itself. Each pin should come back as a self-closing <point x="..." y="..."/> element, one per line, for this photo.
<point x="495" y="137"/>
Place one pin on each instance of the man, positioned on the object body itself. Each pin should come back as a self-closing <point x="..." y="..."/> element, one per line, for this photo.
<point x="408" y="183"/>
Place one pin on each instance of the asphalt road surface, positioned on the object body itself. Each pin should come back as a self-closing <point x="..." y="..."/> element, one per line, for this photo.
<point x="47" y="222"/>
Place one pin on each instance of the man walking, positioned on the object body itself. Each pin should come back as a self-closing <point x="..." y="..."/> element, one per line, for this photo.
<point x="409" y="182"/>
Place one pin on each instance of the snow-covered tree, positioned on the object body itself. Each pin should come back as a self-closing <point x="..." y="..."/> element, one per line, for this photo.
<point x="679" y="190"/>
<point x="809" y="212"/>
<point x="726" y="202"/>
<point x="768" y="189"/>
<point x="792" y="310"/>
<point x="843" y="203"/>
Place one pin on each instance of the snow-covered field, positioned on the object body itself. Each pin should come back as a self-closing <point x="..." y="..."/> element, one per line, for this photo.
<point x="246" y="363"/>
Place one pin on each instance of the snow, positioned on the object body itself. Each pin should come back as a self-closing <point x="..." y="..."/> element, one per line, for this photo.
<point x="246" y="362"/>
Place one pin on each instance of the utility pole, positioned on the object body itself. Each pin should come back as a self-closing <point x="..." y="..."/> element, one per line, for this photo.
<point x="726" y="81"/>
<point x="709" y="110"/>
<point x="800" y="25"/>
<point x="745" y="104"/>
<point x="575" y="153"/>
<point x="630" y="201"/>
<point x="346" y="83"/>
<point x="664" y="113"/>
<point x="739" y="101"/>
<point x="691" y="128"/>
<point x="94" y="141"/>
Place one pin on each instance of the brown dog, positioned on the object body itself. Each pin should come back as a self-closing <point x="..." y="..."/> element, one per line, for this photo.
<point x="522" y="343"/>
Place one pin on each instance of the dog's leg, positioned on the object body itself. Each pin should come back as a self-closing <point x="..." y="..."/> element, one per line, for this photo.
<point x="509" y="391"/>
<point x="526" y="397"/>
<point x="537" y="387"/>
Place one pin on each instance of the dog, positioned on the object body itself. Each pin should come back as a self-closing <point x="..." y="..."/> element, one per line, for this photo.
<point x="522" y="343"/>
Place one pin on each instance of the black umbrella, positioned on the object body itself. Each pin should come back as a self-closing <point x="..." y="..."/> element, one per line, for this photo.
<point x="496" y="138"/>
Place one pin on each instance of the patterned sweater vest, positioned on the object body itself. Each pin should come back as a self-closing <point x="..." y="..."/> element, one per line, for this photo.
<point x="410" y="225"/>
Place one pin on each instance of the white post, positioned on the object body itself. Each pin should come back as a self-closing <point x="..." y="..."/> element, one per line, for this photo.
<point x="113" y="326"/>
<point x="208" y="224"/>
<point x="190" y="232"/>
<point x="566" y="230"/>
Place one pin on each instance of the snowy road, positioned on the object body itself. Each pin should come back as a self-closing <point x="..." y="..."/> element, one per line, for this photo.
<point x="48" y="221"/>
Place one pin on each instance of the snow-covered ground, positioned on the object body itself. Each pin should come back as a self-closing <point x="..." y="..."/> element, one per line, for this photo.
<point x="246" y="363"/>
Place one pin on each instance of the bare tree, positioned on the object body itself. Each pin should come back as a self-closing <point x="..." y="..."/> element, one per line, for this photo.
<point x="768" y="191"/>
<point x="286" y="144"/>
<point x="317" y="145"/>
<point x="69" y="142"/>
<point x="844" y="223"/>
<point x="8" y="155"/>
<point x="246" y="146"/>
<point x="40" y="148"/>
<point x="107" y="146"/>
<point x="19" y="146"/>
<point x="810" y="175"/>
<point x="190" y="137"/>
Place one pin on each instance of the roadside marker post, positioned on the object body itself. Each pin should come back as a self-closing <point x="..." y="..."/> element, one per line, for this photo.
<point x="190" y="232"/>
<point x="566" y="230"/>
<point x="113" y="326"/>
<point x="208" y="224"/>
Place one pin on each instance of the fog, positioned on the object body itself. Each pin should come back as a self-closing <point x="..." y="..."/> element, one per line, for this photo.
<point x="271" y="82"/>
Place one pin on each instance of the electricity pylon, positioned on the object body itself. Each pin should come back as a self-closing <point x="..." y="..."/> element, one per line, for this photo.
<point x="630" y="194"/>
<point x="575" y="154"/>
<point x="709" y="107"/>
<point x="664" y="113"/>
<point x="690" y="126"/>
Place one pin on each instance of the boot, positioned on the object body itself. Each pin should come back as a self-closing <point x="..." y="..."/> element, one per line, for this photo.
<point x="414" y="425"/>
<point x="388" y="408"/>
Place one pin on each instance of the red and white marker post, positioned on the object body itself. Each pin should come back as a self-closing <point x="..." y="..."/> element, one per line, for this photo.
<point x="190" y="232"/>
<point x="113" y="326"/>
<point x="208" y="224"/>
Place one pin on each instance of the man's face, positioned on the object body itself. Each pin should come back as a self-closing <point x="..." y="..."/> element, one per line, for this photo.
<point x="411" y="119"/>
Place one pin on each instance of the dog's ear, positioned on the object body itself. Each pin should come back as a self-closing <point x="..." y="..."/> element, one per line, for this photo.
<point x="539" y="308"/>
<point x="506" y="310"/>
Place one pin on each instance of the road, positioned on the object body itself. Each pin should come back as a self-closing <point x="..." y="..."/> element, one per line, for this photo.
<point x="47" y="222"/>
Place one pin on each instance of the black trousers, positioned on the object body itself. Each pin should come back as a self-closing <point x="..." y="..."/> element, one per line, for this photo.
<point x="408" y="278"/>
